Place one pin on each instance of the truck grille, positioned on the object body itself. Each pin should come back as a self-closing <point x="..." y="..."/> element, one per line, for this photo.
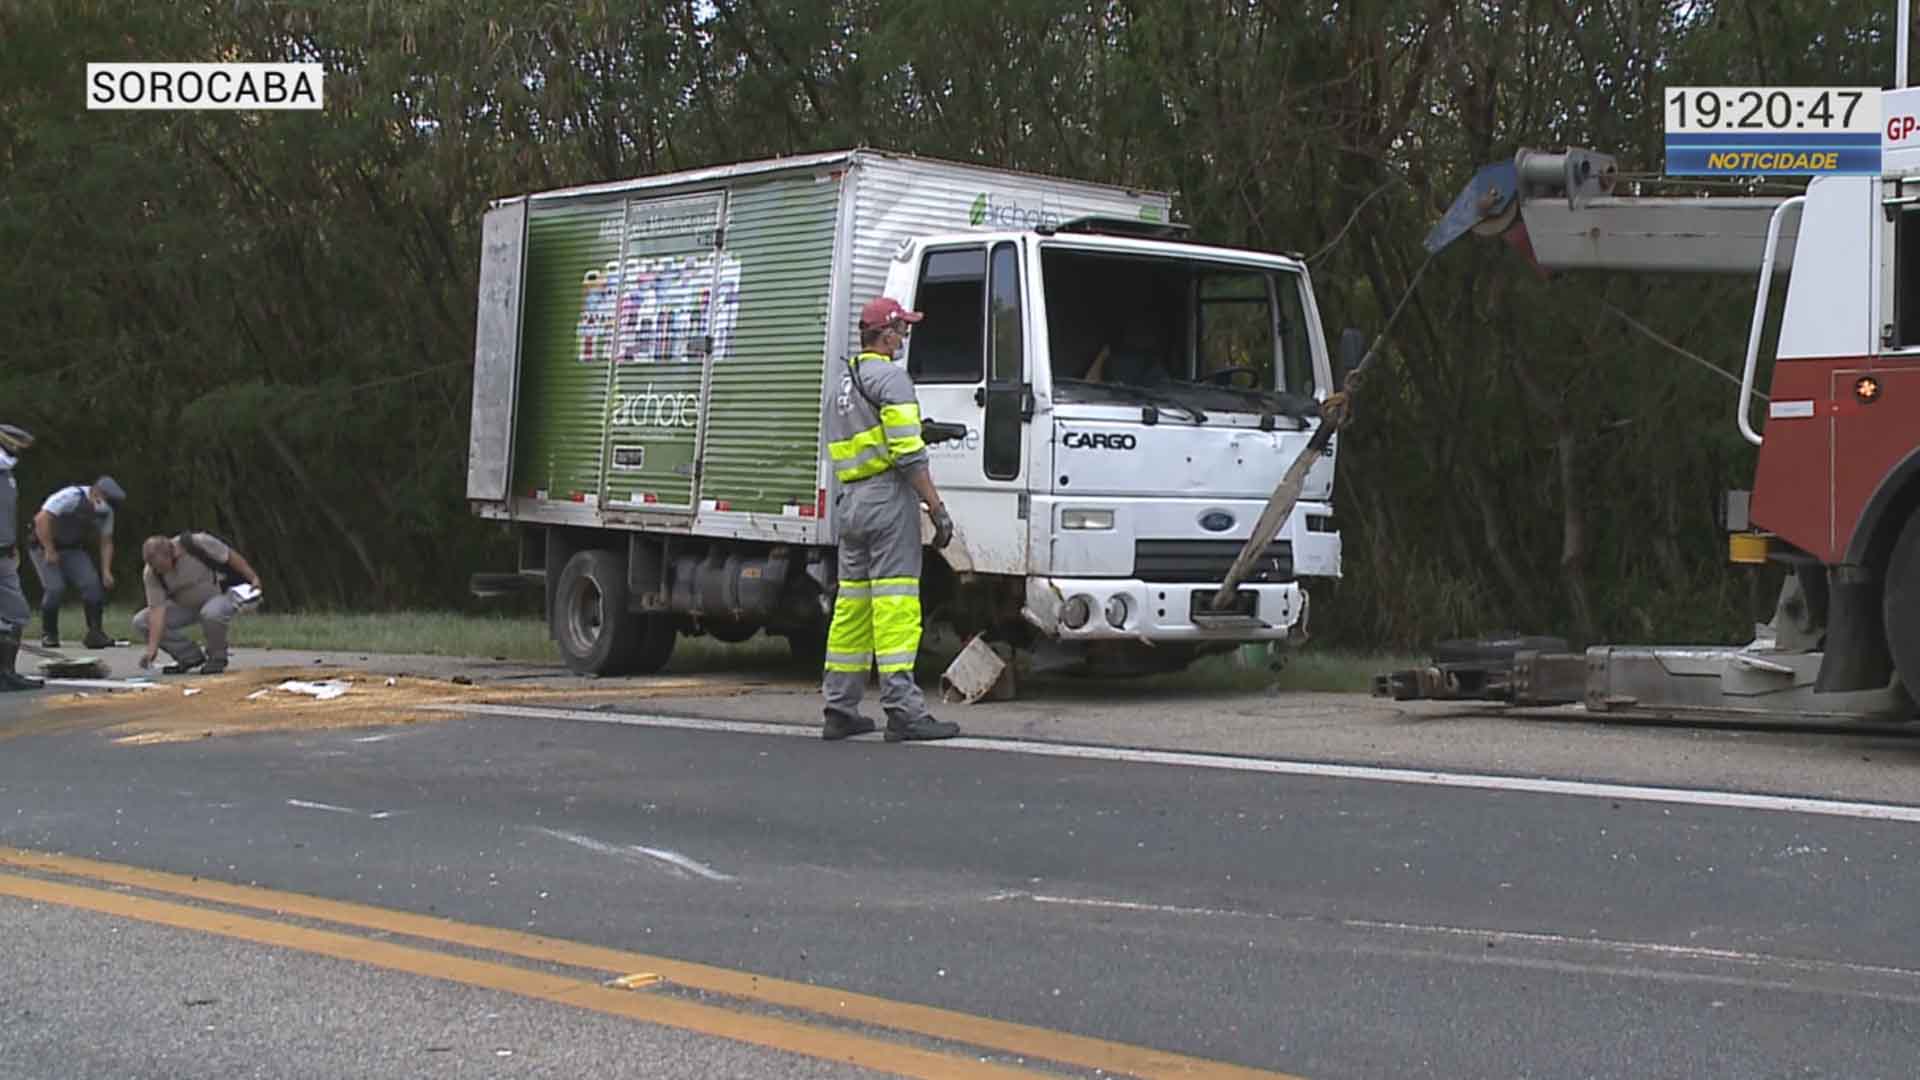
<point x="1184" y="561"/>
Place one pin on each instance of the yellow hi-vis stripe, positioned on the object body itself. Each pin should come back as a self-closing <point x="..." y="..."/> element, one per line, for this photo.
<point x="896" y="626"/>
<point x="902" y="426"/>
<point x="850" y="637"/>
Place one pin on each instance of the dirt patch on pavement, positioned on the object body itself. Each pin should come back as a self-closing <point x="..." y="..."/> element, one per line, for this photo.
<point x="244" y="702"/>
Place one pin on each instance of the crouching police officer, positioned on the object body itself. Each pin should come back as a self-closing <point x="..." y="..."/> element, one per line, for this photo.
<point x="186" y="581"/>
<point x="14" y="612"/>
<point x="70" y="519"/>
<point x="880" y="459"/>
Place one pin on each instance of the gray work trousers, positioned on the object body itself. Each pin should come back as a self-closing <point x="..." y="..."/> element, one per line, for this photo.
<point x="68" y="568"/>
<point x="14" y="613"/>
<point x="876" y="613"/>
<point x="213" y="616"/>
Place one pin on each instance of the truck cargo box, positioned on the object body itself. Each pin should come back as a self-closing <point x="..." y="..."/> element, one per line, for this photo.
<point x="653" y="353"/>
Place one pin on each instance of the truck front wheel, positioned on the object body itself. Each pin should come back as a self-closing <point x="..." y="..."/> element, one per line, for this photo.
<point x="1902" y="605"/>
<point x="596" y="633"/>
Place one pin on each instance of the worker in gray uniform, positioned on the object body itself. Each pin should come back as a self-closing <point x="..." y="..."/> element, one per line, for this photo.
<point x="14" y="612"/>
<point x="188" y="580"/>
<point x="67" y="523"/>
<point x="880" y="459"/>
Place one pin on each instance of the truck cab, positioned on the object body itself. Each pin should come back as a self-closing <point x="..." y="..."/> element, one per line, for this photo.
<point x="1130" y="403"/>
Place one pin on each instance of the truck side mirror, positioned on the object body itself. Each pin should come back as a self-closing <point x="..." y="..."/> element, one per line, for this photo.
<point x="1352" y="350"/>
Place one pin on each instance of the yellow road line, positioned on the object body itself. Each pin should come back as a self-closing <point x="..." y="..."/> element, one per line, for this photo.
<point x="813" y="1041"/>
<point x="1022" y="1039"/>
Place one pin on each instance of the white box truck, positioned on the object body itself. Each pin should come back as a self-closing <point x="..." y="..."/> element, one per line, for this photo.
<point x="652" y="359"/>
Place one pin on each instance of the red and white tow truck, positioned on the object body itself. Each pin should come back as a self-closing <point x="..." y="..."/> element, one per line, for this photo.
<point x="1836" y="489"/>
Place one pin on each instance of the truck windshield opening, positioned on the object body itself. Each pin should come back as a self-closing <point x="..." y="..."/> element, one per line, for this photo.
<point x="1216" y="335"/>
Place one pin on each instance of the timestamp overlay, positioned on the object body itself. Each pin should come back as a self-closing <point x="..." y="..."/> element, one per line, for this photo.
<point x="1773" y="131"/>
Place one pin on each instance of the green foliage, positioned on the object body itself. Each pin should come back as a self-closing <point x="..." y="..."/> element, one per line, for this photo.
<point x="262" y="323"/>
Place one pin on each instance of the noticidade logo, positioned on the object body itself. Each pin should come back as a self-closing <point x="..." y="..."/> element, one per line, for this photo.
<point x="987" y="209"/>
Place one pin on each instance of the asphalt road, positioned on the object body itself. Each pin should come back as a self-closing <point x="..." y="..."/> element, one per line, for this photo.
<point x="89" y="995"/>
<point x="1322" y="925"/>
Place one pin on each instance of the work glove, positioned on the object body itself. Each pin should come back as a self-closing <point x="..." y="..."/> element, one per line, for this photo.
<point x="14" y="439"/>
<point x="942" y="528"/>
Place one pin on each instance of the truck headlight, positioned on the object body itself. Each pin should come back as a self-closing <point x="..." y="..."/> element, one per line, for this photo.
<point x="1117" y="610"/>
<point x="1086" y="519"/>
<point x="1075" y="612"/>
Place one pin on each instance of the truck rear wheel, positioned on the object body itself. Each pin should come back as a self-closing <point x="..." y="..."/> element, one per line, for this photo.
<point x="1901" y="600"/>
<point x="596" y="633"/>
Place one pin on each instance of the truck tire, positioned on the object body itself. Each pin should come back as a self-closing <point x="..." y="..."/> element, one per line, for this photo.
<point x="596" y="633"/>
<point x="1901" y="606"/>
<point x="657" y="637"/>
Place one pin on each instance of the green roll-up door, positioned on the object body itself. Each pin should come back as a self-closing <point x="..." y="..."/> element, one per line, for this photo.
<point x="671" y="306"/>
<point x="762" y="439"/>
<point x="565" y="348"/>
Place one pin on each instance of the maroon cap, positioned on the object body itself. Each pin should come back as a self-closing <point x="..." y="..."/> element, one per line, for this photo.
<point x="882" y="310"/>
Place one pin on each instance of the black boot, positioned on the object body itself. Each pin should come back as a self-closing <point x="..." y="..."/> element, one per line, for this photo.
<point x="96" y="637"/>
<point x="50" y="627"/>
<point x="9" y="655"/>
<point x="924" y="729"/>
<point x="185" y="665"/>
<point x="844" y="727"/>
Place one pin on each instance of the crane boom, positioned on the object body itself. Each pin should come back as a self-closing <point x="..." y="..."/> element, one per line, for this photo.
<point x="1561" y="210"/>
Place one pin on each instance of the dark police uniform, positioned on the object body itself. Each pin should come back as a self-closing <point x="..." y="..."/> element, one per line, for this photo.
<point x="14" y="612"/>
<point x="78" y="524"/>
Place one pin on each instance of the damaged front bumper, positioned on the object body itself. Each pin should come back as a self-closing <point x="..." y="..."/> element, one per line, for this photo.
<point x="1119" y="609"/>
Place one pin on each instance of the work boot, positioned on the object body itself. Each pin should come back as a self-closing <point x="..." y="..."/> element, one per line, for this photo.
<point x="50" y="628"/>
<point x="187" y="666"/>
<point x="924" y="729"/>
<point x="843" y="727"/>
<point x="214" y="666"/>
<point x="9" y="678"/>
<point x="96" y="637"/>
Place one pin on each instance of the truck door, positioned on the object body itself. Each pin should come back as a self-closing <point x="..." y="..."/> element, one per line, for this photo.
<point x="658" y="313"/>
<point x="968" y="360"/>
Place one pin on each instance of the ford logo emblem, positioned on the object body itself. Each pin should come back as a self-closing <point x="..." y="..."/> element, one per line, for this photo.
<point x="1216" y="521"/>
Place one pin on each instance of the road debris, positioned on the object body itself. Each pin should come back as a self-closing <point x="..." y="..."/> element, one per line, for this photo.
<point x="639" y="980"/>
<point x="103" y="684"/>
<point x="292" y="698"/>
<point x="324" y="691"/>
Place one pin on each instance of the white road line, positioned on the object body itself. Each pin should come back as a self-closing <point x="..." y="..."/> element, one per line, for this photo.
<point x="671" y="858"/>
<point x="693" y="866"/>
<point x="1708" y="797"/>
<point x="329" y="807"/>
<point x="1679" y="952"/>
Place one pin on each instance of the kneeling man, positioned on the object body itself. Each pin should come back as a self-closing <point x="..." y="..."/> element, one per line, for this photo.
<point x="187" y="580"/>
